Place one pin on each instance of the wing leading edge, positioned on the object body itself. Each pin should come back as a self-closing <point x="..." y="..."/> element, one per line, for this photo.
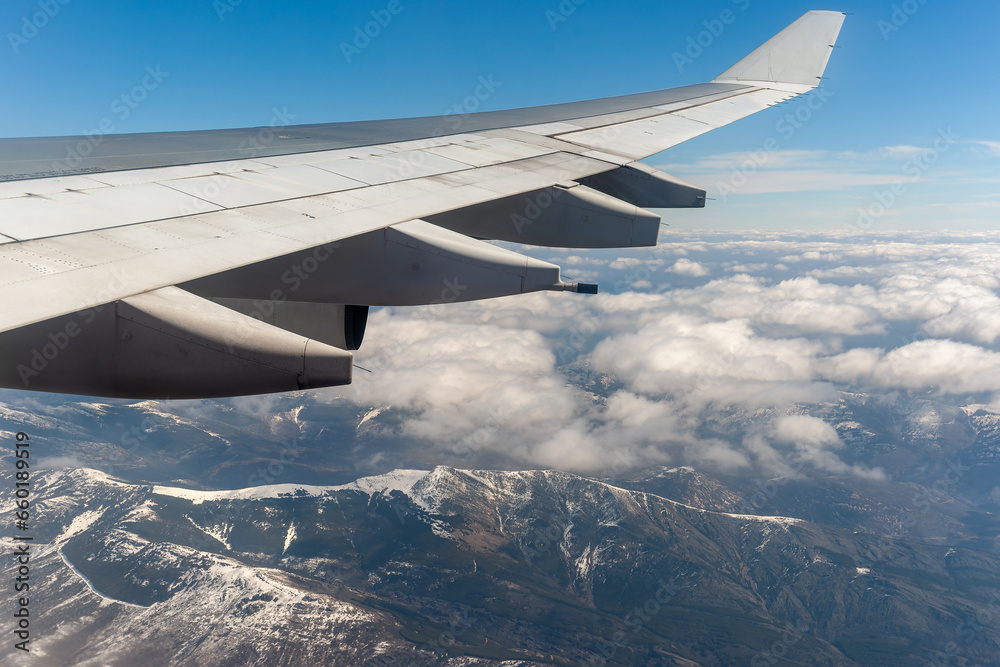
<point x="284" y="237"/>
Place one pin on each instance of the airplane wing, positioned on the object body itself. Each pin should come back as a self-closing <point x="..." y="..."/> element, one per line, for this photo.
<point x="194" y="264"/>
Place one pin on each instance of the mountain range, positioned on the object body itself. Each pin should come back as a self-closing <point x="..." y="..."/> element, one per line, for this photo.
<point x="286" y="536"/>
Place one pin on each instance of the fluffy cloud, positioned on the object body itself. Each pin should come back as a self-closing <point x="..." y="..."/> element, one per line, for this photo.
<point x="974" y="318"/>
<point x="683" y="354"/>
<point x="454" y="378"/>
<point x="557" y="380"/>
<point x="941" y="364"/>
<point x="791" y="443"/>
<point x="687" y="267"/>
<point x="992" y="147"/>
<point x="627" y="263"/>
<point x="646" y="373"/>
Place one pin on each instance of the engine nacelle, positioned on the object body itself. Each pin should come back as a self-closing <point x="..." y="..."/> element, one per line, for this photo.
<point x="647" y="186"/>
<point x="166" y="344"/>
<point x="330" y="323"/>
<point x="563" y="216"/>
<point x="411" y="264"/>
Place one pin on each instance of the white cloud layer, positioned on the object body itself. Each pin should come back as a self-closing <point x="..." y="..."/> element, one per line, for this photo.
<point x="591" y="384"/>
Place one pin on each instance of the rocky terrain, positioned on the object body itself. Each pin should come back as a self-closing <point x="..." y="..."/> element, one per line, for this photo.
<point x="211" y="533"/>
<point x="482" y="567"/>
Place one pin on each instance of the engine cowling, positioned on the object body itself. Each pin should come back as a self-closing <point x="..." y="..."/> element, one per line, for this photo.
<point x="166" y="344"/>
<point x="331" y="323"/>
<point x="411" y="264"/>
<point x="647" y="186"/>
<point x="562" y="216"/>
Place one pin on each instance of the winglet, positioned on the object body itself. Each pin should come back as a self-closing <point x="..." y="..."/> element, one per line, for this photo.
<point x="796" y="55"/>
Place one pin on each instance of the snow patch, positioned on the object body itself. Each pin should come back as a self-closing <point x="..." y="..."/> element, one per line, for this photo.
<point x="80" y="523"/>
<point x="782" y="520"/>
<point x="371" y="414"/>
<point x="219" y="533"/>
<point x="289" y="536"/>
<point x="583" y="564"/>
<point x="397" y="480"/>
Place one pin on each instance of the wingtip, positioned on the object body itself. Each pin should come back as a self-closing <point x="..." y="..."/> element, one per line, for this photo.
<point x="797" y="55"/>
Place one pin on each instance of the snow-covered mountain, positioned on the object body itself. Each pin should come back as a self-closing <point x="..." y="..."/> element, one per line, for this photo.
<point x="463" y="567"/>
<point x="323" y="552"/>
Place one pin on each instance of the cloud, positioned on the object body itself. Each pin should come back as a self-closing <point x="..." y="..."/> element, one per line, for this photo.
<point x="737" y="374"/>
<point x="864" y="175"/>
<point x="944" y="365"/>
<point x="627" y="263"/>
<point x="809" y="180"/>
<point x="456" y="377"/>
<point x="585" y="383"/>
<point x="851" y="366"/>
<point x="796" y="171"/>
<point x="896" y="153"/>
<point x="576" y="260"/>
<point x="687" y="267"/>
<point x="681" y="353"/>
<point x="793" y="442"/>
<point x="59" y="462"/>
<point x="992" y="147"/>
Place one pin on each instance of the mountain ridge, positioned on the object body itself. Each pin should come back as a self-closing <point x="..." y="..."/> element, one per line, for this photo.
<point x="571" y="558"/>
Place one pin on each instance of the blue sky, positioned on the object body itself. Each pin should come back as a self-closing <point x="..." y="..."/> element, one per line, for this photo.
<point x="906" y="72"/>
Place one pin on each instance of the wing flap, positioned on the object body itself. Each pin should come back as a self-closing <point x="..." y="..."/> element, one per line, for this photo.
<point x="722" y="113"/>
<point x="641" y="138"/>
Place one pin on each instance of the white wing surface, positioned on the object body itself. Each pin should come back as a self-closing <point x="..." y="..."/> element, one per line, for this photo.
<point x="193" y="264"/>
